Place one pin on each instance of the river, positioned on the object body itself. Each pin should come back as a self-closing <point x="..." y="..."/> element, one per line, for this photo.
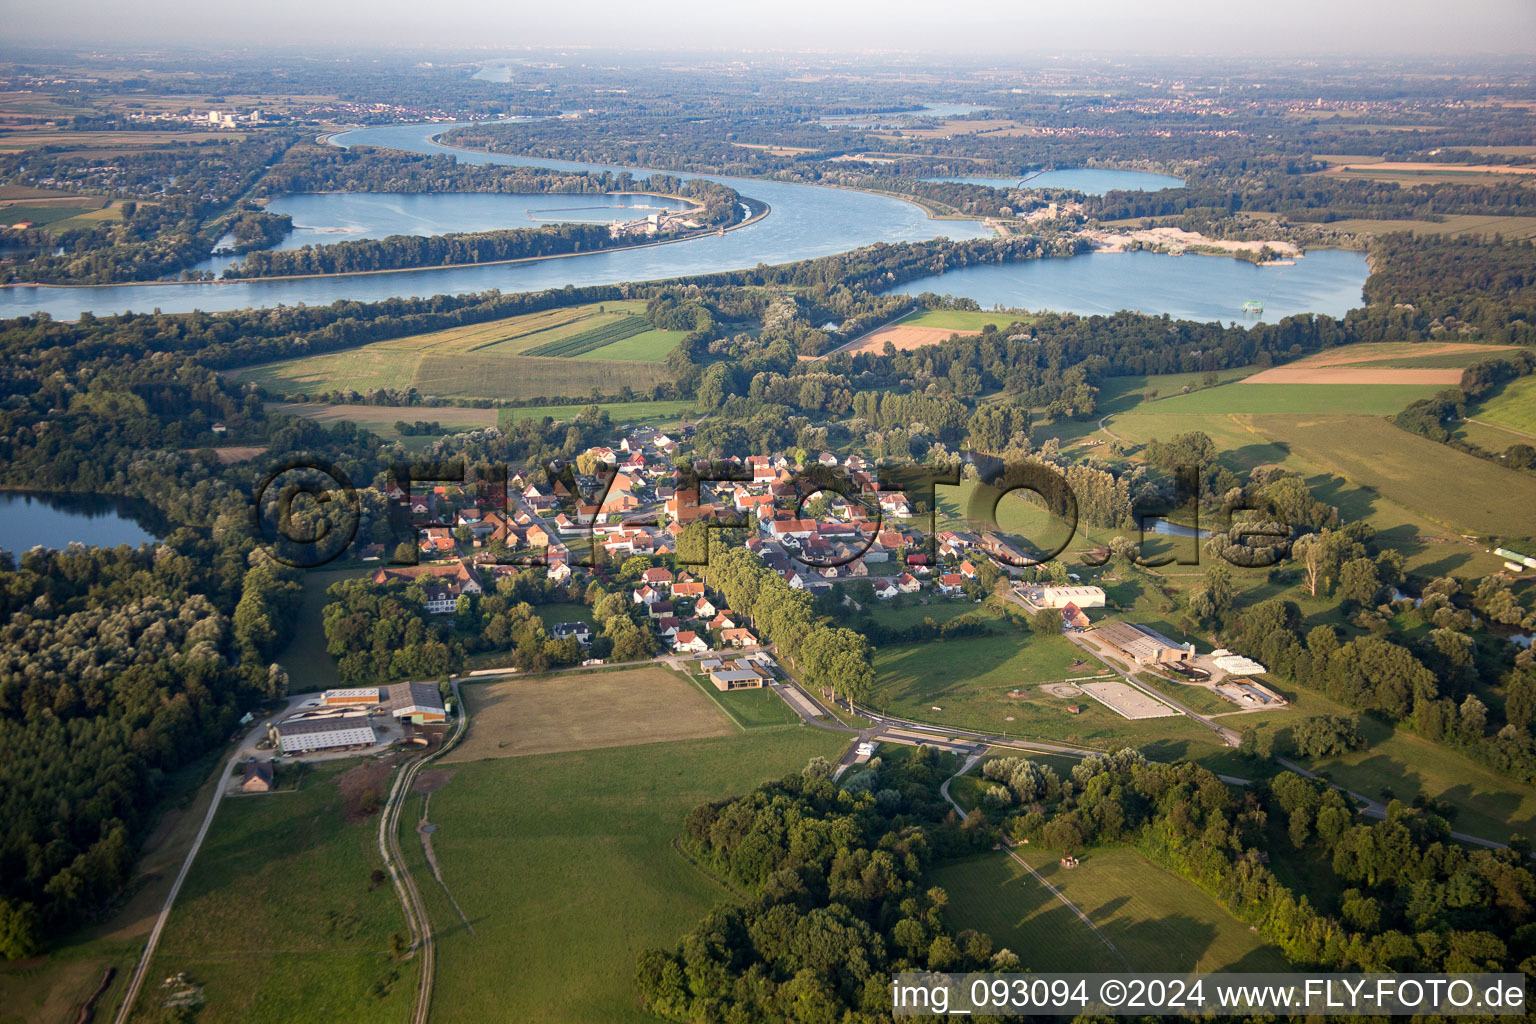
<point x="806" y="222"/>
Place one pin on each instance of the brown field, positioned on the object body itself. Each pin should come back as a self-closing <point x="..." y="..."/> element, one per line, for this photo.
<point x="774" y="150"/>
<point x="1354" y="375"/>
<point x="18" y="140"/>
<point x="949" y="129"/>
<point x="1410" y="167"/>
<point x="234" y="453"/>
<point x="388" y="415"/>
<point x="1370" y="352"/>
<point x="904" y="336"/>
<point x="584" y="711"/>
<point x="1454" y="224"/>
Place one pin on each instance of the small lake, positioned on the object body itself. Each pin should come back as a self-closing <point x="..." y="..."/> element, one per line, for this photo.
<point x="29" y="519"/>
<point x="1095" y="181"/>
<point x="1202" y="288"/>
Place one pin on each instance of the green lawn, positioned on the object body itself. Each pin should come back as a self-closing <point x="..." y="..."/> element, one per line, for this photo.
<point x="565" y="866"/>
<point x="310" y="667"/>
<point x="278" y="920"/>
<point x="1157" y="921"/>
<point x="749" y="709"/>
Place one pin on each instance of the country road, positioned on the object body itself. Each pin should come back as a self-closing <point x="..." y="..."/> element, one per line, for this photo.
<point x="221" y="784"/>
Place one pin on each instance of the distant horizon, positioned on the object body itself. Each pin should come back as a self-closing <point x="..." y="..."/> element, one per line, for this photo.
<point x="1323" y="29"/>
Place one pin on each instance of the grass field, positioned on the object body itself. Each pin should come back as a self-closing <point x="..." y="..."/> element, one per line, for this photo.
<point x="310" y="667"/>
<point x="566" y="869"/>
<point x="584" y="711"/>
<point x="1293" y="399"/>
<point x="1513" y="406"/>
<point x="1465" y="493"/>
<point x="1460" y="224"/>
<point x="651" y="413"/>
<point x="968" y="680"/>
<point x="1488" y="805"/>
<point x="1158" y="921"/>
<point x="278" y="920"/>
<point x="489" y="360"/>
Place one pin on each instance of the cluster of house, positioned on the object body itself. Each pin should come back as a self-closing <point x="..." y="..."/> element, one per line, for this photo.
<point x="684" y="615"/>
<point x="344" y="718"/>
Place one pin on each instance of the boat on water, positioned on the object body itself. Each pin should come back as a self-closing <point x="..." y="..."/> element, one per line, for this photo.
<point x="1253" y="306"/>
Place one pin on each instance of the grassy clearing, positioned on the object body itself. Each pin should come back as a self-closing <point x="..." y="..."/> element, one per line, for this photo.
<point x="566" y="869"/>
<point x="1513" y="406"/>
<point x="1488" y="805"/>
<point x="583" y="711"/>
<point x="310" y="667"/>
<point x="962" y="319"/>
<point x="278" y="920"/>
<point x="1160" y="922"/>
<point x="651" y="413"/>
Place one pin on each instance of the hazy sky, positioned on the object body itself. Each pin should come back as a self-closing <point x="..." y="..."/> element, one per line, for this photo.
<point x="994" y="27"/>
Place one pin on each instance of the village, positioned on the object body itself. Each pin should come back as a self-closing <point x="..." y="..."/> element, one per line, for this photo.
<point x="851" y="539"/>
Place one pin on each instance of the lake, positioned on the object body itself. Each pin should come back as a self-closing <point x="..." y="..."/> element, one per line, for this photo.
<point x="1191" y="287"/>
<point x="28" y="519"/>
<point x="1095" y="181"/>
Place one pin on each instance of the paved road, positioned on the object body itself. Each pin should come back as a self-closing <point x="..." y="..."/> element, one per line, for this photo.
<point x="225" y="771"/>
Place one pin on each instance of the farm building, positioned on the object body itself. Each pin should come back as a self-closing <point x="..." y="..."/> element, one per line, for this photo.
<point x="1142" y="645"/>
<point x="416" y="702"/>
<point x="360" y="696"/>
<point x="324" y="732"/>
<point x="1059" y="597"/>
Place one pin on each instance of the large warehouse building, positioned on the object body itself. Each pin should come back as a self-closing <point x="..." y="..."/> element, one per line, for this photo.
<point x="324" y="731"/>
<point x="1142" y="645"/>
